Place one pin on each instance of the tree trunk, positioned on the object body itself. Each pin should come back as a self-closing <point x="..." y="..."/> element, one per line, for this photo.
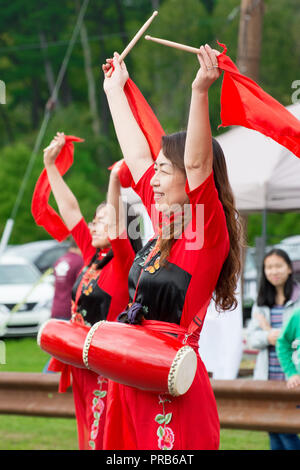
<point x="90" y="79"/>
<point x="36" y="103"/>
<point x="250" y="35"/>
<point x="48" y="66"/>
<point x="7" y="124"/>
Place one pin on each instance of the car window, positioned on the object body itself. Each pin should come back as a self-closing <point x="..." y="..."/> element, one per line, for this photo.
<point x="17" y="274"/>
<point x="29" y="253"/>
<point x="48" y="258"/>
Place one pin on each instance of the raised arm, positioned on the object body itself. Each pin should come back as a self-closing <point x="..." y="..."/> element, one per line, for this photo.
<point x="66" y="201"/>
<point x="133" y="143"/>
<point x="116" y="213"/>
<point x="198" y="157"/>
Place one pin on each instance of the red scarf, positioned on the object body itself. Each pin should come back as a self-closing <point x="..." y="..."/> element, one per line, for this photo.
<point x="244" y="103"/>
<point x="43" y="214"/>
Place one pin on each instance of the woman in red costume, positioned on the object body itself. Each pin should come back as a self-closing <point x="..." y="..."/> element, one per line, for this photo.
<point x="185" y="264"/>
<point x="101" y="289"/>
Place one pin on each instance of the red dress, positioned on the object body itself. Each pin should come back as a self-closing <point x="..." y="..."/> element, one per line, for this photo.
<point x="143" y="420"/>
<point x="97" y="295"/>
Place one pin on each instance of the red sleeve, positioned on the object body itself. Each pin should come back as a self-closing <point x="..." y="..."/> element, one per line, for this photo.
<point x="145" y="191"/>
<point x="123" y="254"/>
<point x="83" y="239"/>
<point x="207" y="212"/>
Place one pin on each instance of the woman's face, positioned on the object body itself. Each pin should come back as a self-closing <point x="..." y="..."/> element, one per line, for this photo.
<point x="99" y="228"/>
<point x="276" y="270"/>
<point x="168" y="185"/>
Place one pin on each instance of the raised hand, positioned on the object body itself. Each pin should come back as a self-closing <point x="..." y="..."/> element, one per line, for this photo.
<point x="115" y="73"/>
<point x="115" y="169"/>
<point x="209" y="71"/>
<point x="52" y="151"/>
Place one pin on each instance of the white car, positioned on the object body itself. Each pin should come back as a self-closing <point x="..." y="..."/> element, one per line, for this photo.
<point x="25" y="297"/>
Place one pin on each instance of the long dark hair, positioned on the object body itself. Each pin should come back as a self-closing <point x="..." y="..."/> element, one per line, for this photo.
<point x="267" y="292"/>
<point x="173" y="148"/>
<point x="136" y="242"/>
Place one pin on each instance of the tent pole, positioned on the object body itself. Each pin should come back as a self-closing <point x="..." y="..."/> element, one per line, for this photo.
<point x="260" y="245"/>
<point x="264" y="231"/>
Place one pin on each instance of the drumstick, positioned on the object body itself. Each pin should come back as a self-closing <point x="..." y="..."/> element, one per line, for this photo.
<point x="135" y="39"/>
<point x="176" y="45"/>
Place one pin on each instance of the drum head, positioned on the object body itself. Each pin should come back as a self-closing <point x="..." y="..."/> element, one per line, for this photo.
<point x="182" y="372"/>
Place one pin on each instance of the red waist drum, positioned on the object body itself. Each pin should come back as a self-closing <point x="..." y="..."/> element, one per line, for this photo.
<point x="139" y="357"/>
<point x="63" y="340"/>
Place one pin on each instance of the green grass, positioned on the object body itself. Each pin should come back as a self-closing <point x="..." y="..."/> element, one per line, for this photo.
<point x="23" y="355"/>
<point x="233" y="439"/>
<point x="37" y="433"/>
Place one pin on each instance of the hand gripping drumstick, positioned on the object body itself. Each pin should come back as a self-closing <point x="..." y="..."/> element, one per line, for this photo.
<point x="176" y="45"/>
<point x="135" y="39"/>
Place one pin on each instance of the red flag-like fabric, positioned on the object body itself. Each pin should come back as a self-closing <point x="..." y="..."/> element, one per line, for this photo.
<point x="65" y="369"/>
<point x="244" y="103"/>
<point x="43" y="214"/>
<point x="148" y="123"/>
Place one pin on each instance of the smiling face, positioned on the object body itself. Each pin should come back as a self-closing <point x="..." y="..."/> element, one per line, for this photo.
<point x="99" y="228"/>
<point x="168" y="184"/>
<point x="276" y="270"/>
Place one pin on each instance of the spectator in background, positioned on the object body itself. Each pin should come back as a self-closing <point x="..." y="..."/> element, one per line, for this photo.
<point x="66" y="270"/>
<point x="278" y="296"/>
<point x="288" y="350"/>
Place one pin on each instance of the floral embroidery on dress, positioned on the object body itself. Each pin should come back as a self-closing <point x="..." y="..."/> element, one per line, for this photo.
<point x="165" y="434"/>
<point x="90" y="276"/>
<point x="89" y="279"/>
<point x="98" y="406"/>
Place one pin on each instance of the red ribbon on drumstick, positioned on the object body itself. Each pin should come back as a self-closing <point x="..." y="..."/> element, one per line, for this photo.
<point x="43" y="214"/>
<point x="245" y="103"/>
<point x="141" y="110"/>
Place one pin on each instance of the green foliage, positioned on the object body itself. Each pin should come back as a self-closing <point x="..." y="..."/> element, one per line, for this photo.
<point x="279" y="226"/>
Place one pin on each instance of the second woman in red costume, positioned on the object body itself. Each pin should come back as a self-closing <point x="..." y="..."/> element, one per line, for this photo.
<point x="101" y="289"/>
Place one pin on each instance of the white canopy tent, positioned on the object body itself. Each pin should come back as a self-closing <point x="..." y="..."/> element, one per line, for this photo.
<point x="264" y="175"/>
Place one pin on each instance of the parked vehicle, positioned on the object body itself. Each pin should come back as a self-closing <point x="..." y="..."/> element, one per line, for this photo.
<point x="42" y="254"/>
<point x="25" y="297"/>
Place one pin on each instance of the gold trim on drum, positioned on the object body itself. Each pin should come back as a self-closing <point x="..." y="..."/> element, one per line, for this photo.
<point x="87" y="343"/>
<point x="182" y="371"/>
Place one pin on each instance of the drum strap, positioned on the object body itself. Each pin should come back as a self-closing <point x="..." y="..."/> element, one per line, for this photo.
<point x="197" y="322"/>
<point x="194" y="327"/>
